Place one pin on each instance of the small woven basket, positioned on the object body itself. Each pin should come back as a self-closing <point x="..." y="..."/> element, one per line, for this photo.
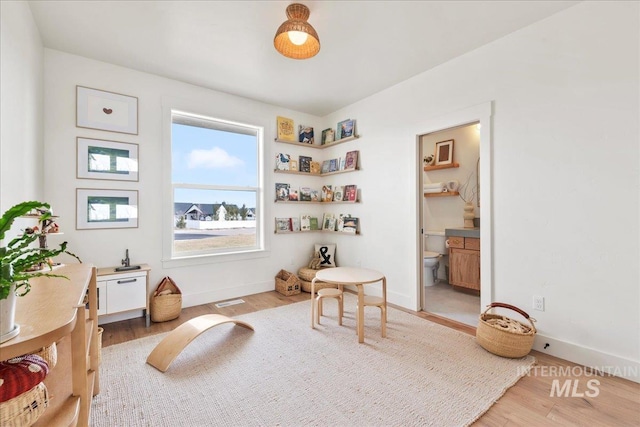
<point x="49" y="354"/>
<point x="287" y="283"/>
<point x="503" y="336"/>
<point x="166" y="301"/>
<point x="26" y="408"/>
<point x="306" y="275"/>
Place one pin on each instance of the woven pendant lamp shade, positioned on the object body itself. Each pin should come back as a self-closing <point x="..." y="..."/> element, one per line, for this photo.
<point x="298" y="15"/>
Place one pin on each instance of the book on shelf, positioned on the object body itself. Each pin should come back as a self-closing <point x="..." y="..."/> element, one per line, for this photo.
<point x="304" y="163"/>
<point x="350" y="225"/>
<point x="293" y="165"/>
<point x="293" y="195"/>
<point x="328" y="136"/>
<point x="325" y="166"/>
<point x="295" y="223"/>
<point x="329" y="222"/>
<point x="305" y="194"/>
<point x="283" y="225"/>
<point x="315" y="195"/>
<point x="305" y="222"/>
<point x="350" y="193"/>
<point x="286" y="131"/>
<point x="341" y="163"/>
<point x="333" y="165"/>
<point x="327" y="193"/>
<point x="340" y="222"/>
<point x="314" y="168"/>
<point x="313" y="223"/>
<point x="351" y="160"/>
<point x="305" y="134"/>
<point x="346" y="128"/>
<point x="283" y="161"/>
<point x="282" y="191"/>
<point x="338" y="193"/>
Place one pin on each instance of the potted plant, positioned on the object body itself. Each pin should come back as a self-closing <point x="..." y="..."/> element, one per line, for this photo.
<point x="17" y="258"/>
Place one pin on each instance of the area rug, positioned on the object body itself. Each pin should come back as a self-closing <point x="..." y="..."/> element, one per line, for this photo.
<point x="287" y="374"/>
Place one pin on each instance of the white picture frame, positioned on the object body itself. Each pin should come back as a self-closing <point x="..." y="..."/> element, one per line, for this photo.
<point x="100" y="208"/>
<point x="113" y="112"/>
<point x="108" y="160"/>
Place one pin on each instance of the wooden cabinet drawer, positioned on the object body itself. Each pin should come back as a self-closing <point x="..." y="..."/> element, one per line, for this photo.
<point x="456" y="242"/>
<point x="472" y="243"/>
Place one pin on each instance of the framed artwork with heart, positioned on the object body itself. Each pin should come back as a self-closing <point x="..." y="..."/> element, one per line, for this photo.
<point x="113" y="112"/>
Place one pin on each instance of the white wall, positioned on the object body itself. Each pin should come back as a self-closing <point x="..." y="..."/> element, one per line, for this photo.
<point x="565" y="174"/>
<point x="21" y="84"/>
<point x="200" y="283"/>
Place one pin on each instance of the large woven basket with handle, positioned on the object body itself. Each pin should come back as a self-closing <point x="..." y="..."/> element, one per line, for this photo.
<point x="166" y="301"/>
<point x="503" y="336"/>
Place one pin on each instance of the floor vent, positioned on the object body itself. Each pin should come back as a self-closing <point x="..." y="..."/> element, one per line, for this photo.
<point x="228" y="303"/>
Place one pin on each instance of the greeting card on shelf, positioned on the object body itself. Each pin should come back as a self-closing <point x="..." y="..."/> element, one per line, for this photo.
<point x="304" y="163"/>
<point x="315" y="195"/>
<point x="305" y="222"/>
<point x="333" y="165"/>
<point x="293" y="195"/>
<point x="293" y="165"/>
<point x="327" y="193"/>
<point x="286" y="131"/>
<point x="314" y="168"/>
<point x="283" y="162"/>
<point x="329" y="222"/>
<point x="295" y="223"/>
<point x="313" y="223"/>
<point x="350" y="225"/>
<point x="350" y="193"/>
<point x="283" y="225"/>
<point x="305" y="194"/>
<point x="351" y="160"/>
<point x="338" y="193"/>
<point x="305" y="134"/>
<point x="282" y="191"/>
<point x="325" y="166"/>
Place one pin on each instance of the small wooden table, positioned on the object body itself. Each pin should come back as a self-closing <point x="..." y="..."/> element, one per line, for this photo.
<point x="350" y="276"/>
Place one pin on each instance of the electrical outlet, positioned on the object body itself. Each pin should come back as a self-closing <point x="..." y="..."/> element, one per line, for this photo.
<point x="538" y="303"/>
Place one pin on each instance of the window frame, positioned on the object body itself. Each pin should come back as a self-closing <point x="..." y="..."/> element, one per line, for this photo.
<point x="169" y="257"/>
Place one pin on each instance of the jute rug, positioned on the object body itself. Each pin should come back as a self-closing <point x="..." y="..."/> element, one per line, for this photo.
<point x="286" y="374"/>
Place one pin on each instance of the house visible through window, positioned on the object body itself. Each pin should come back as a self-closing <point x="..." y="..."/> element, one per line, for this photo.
<point x="216" y="186"/>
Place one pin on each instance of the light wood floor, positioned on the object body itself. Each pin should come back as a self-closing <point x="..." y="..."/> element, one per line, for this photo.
<point x="528" y="403"/>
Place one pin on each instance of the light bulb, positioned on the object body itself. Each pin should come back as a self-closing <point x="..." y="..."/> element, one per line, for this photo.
<point x="297" y="37"/>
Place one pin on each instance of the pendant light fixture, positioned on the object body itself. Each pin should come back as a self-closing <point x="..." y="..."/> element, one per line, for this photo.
<point x="296" y="38"/>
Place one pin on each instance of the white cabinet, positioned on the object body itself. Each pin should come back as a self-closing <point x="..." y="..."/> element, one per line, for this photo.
<point x="123" y="291"/>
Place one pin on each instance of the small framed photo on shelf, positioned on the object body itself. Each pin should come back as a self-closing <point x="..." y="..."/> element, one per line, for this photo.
<point x="346" y="128"/>
<point x="113" y="112"/>
<point x="98" y="208"/>
<point x="328" y="136"/>
<point x="109" y="160"/>
<point x="286" y="131"/>
<point x="444" y="152"/>
<point x="305" y="134"/>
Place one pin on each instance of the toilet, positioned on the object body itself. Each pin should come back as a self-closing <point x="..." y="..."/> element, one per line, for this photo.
<point x="434" y="248"/>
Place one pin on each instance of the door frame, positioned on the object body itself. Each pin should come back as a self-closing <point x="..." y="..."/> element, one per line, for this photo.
<point x="482" y="114"/>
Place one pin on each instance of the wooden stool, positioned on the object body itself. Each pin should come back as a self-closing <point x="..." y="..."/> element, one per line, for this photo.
<point x="330" y="293"/>
<point x="371" y="301"/>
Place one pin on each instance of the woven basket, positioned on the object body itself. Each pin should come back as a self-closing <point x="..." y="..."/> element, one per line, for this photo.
<point x="306" y="286"/>
<point x="287" y="283"/>
<point x="49" y="354"/>
<point x="503" y="336"/>
<point x="166" y="301"/>
<point x="26" y="408"/>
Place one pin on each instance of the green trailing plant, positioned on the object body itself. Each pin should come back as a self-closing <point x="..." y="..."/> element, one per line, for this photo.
<point x="19" y="256"/>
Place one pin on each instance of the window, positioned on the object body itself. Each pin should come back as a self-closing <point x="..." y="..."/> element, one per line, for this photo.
<point x="216" y="185"/>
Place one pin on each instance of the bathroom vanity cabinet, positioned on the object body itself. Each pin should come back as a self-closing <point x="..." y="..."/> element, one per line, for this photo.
<point x="464" y="262"/>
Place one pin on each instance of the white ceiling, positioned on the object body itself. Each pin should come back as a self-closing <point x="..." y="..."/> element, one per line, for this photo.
<point x="366" y="46"/>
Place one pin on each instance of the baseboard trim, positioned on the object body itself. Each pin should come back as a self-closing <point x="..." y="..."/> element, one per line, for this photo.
<point x="589" y="357"/>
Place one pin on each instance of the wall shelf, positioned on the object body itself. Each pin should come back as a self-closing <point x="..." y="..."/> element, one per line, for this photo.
<point x="315" y="174"/>
<point x="317" y="231"/>
<point x="433" y="168"/>
<point x="302" y="202"/>
<point x="320" y="147"/>
<point x="443" y="194"/>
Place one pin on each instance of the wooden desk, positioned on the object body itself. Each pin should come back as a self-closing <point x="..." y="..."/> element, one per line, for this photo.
<point x="350" y="276"/>
<point x="55" y="311"/>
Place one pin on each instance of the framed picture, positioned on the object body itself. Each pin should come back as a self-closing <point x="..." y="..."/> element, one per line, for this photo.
<point x="98" y="208"/>
<point x="110" y="160"/>
<point x="97" y="109"/>
<point x="444" y="152"/>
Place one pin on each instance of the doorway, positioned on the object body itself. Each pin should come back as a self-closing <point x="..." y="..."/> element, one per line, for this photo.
<point x="467" y="135"/>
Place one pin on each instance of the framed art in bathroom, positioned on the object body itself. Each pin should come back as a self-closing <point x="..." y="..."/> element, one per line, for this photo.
<point x="113" y="112"/>
<point x="444" y="152"/>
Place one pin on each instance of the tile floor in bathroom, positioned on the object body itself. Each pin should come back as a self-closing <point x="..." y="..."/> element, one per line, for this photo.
<point x="443" y="300"/>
